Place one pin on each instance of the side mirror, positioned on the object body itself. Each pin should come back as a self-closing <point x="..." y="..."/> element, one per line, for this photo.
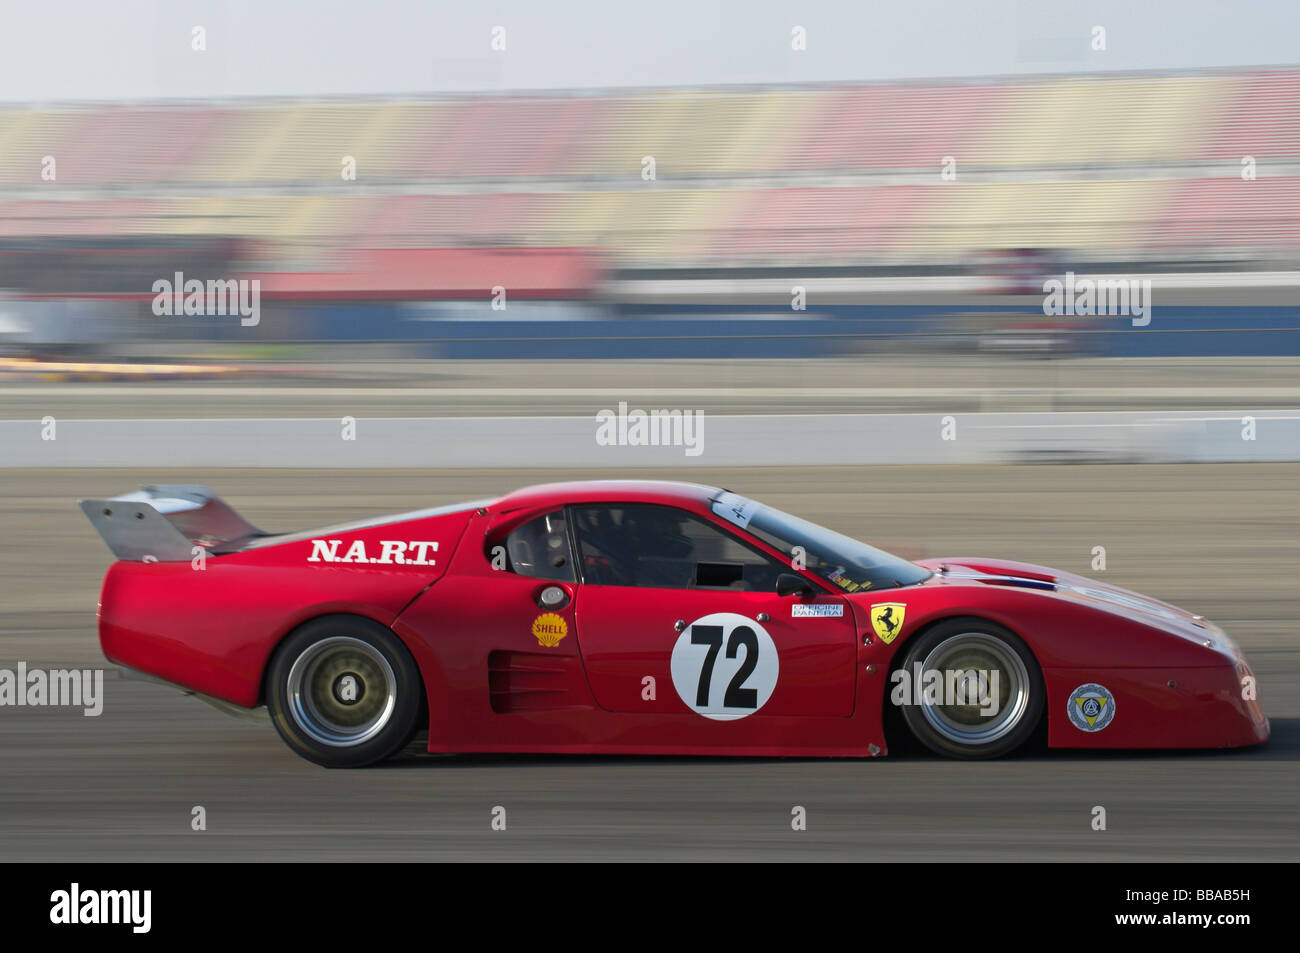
<point x="788" y="584"/>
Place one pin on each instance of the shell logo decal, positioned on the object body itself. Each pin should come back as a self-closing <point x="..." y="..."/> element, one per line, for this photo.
<point x="549" y="629"/>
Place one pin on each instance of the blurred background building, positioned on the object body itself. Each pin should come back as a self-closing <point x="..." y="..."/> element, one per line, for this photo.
<point x="926" y="211"/>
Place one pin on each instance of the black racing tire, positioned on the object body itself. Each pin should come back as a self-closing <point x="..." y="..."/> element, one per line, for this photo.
<point x="961" y="730"/>
<point x="344" y="692"/>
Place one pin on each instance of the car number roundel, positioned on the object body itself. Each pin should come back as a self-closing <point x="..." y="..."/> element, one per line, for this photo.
<point x="725" y="666"/>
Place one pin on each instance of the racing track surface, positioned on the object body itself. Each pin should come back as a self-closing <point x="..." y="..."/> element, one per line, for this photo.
<point x="1221" y="540"/>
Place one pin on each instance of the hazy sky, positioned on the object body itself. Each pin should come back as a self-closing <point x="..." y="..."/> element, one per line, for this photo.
<point x="142" y="49"/>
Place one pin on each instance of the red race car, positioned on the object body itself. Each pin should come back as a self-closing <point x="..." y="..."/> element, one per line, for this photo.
<point x="646" y="618"/>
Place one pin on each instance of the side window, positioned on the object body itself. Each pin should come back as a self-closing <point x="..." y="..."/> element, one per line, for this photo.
<point x="663" y="547"/>
<point x="540" y="549"/>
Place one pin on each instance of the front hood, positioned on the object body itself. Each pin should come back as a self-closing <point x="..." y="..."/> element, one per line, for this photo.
<point x="1080" y="589"/>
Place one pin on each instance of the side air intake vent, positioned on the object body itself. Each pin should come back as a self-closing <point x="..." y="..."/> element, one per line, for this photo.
<point x="532" y="681"/>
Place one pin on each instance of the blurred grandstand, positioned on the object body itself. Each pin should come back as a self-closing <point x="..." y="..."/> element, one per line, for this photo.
<point x="1123" y="172"/>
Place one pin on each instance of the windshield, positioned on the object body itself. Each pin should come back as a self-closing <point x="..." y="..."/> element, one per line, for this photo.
<point x="848" y="564"/>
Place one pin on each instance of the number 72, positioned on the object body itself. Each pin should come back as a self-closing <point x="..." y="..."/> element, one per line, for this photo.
<point x="736" y="696"/>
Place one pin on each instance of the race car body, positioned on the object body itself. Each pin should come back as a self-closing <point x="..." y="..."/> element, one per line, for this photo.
<point x="646" y="617"/>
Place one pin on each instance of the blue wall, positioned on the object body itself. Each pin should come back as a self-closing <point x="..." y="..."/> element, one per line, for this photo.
<point x="713" y="332"/>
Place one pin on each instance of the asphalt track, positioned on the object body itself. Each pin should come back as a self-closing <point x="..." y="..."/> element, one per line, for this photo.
<point x="1218" y="539"/>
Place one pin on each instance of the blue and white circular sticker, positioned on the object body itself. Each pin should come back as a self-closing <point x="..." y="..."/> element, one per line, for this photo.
<point x="1091" y="707"/>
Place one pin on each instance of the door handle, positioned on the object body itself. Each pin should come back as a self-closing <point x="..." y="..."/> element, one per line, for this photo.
<point x="679" y="625"/>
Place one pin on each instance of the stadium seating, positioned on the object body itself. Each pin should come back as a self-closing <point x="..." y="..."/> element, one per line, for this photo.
<point x="1128" y="163"/>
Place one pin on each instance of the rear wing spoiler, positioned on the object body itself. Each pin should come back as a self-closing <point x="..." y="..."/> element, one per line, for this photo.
<point x="165" y="522"/>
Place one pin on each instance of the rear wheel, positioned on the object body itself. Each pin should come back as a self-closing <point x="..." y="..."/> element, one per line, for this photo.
<point x="978" y="692"/>
<point x="344" y="692"/>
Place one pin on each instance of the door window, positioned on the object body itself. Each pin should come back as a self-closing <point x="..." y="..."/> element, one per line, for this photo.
<point x="663" y="547"/>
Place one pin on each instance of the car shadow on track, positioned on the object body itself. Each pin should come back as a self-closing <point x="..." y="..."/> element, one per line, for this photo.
<point x="1284" y="745"/>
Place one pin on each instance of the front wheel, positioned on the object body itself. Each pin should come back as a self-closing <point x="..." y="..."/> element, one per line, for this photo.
<point x="344" y="692"/>
<point x="976" y="690"/>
